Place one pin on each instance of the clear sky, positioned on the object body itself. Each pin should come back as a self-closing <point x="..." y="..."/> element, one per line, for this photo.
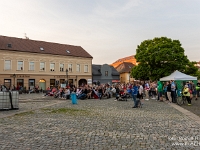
<point x="107" y="29"/>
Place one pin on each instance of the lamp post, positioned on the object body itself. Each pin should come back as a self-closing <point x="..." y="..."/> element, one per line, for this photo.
<point x="67" y="77"/>
<point x="76" y="81"/>
<point x="14" y="76"/>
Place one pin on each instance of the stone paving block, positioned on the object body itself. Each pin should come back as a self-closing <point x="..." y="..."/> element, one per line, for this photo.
<point x="95" y="124"/>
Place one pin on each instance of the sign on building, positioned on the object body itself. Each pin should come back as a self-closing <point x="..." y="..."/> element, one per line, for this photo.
<point x="89" y="81"/>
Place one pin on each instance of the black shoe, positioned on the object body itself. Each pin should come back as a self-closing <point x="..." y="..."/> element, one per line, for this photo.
<point x="134" y="107"/>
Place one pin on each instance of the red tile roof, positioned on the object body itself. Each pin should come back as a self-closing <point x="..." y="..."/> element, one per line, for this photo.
<point x="124" y="67"/>
<point x="125" y="58"/>
<point x="130" y="59"/>
<point x="32" y="46"/>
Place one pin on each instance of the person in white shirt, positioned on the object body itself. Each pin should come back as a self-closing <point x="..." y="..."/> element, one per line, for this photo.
<point x="147" y="88"/>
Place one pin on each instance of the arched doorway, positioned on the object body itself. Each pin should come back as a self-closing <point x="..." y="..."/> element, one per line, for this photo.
<point x="42" y="84"/>
<point x="82" y="82"/>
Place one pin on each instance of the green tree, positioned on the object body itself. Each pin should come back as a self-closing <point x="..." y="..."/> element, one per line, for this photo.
<point x="191" y="69"/>
<point x="198" y="75"/>
<point x="139" y="72"/>
<point x="159" y="57"/>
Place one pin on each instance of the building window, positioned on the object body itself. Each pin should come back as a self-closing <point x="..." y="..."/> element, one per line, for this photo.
<point x="62" y="81"/>
<point x="52" y="82"/>
<point x="42" y="66"/>
<point x="52" y="66"/>
<point x="78" y="67"/>
<point x="31" y="83"/>
<point x="7" y="65"/>
<point x="70" y="67"/>
<point x="20" y="83"/>
<point x="61" y="67"/>
<point x="70" y="81"/>
<point x="31" y="65"/>
<point x="7" y="83"/>
<point x="106" y="73"/>
<point x="86" y="68"/>
<point x="20" y="65"/>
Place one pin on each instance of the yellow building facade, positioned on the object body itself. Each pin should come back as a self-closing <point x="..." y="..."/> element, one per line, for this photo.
<point x="43" y="69"/>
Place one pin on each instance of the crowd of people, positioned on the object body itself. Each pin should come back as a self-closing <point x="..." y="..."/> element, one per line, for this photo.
<point x="169" y="91"/>
<point x="138" y="91"/>
<point x="135" y="90"/>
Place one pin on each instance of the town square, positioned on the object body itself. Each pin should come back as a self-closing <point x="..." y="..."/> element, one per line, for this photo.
<point x="99" y="75"/>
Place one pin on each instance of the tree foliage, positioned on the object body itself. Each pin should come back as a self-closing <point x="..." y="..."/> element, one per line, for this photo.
<point x="139" y="72"/>
<point x="191" y="69"/>
<point x="160" y="57"/>
<point x="198" y="75"/>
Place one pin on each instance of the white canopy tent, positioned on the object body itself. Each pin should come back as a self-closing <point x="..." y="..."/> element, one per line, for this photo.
<point x="176" y="75"/>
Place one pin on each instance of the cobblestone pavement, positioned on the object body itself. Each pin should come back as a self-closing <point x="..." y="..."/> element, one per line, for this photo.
<point x="99" y="124"/>
<point x="29" y="102"/>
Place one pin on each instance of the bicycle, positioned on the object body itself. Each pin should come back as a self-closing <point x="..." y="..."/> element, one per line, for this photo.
<point x="180" y="98"/>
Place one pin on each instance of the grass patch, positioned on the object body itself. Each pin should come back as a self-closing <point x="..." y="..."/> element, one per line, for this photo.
<point x="71" y="111"/>
<point x="25" y="113"/>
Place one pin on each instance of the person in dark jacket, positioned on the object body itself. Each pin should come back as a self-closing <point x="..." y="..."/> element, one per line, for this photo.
<point x="117" y="92"/>
<point x="100" y="92"/>
<point x="169" y="91"/>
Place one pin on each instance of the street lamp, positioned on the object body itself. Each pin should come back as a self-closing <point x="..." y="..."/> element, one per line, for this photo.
<point x="76" y="81"/>
<point x="14" y="76"/>
<point x="67" y="77"/>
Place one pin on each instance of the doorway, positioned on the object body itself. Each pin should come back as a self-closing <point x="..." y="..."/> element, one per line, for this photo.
<point x="42" y="84"/>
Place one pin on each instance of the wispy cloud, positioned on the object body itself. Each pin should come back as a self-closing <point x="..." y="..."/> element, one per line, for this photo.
<point x="112" y="9"/>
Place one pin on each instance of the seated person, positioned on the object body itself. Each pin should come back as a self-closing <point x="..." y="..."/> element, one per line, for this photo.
<point x="107" y="92"/>
<point x="122" y="94"/>
<point x="32" y="90"/>
<point x="78" y="91"/>
<point x="83" y="94"/>
<point x="89" y="93"/>
<point x="53" y="91"/>
<point x="48" y="91"/>
<point x="61" y="91"/>
<point x="95" y="93"/>
<point x="66" y="93"/>
<point x="100" y="92"/>
<point x="113" y="90"/>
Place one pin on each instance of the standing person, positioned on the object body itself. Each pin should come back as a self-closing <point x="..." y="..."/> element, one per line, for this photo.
<point x="147" y="88"/>
<point x="192" y="90"/>
<point x="186" y="93"/>
<point x="140" y="93"/>
<point x="165" y="91"/>
<point x="197" y="89"/>
<point x="13" y="88"/>
<point x="173" y="89"/>
<point x="153" y="90"/>
<point x="160" y="91"/>
<point x="169" y="92"/>
<point x="134" y="92"/>
<point x="117" y="92"/>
